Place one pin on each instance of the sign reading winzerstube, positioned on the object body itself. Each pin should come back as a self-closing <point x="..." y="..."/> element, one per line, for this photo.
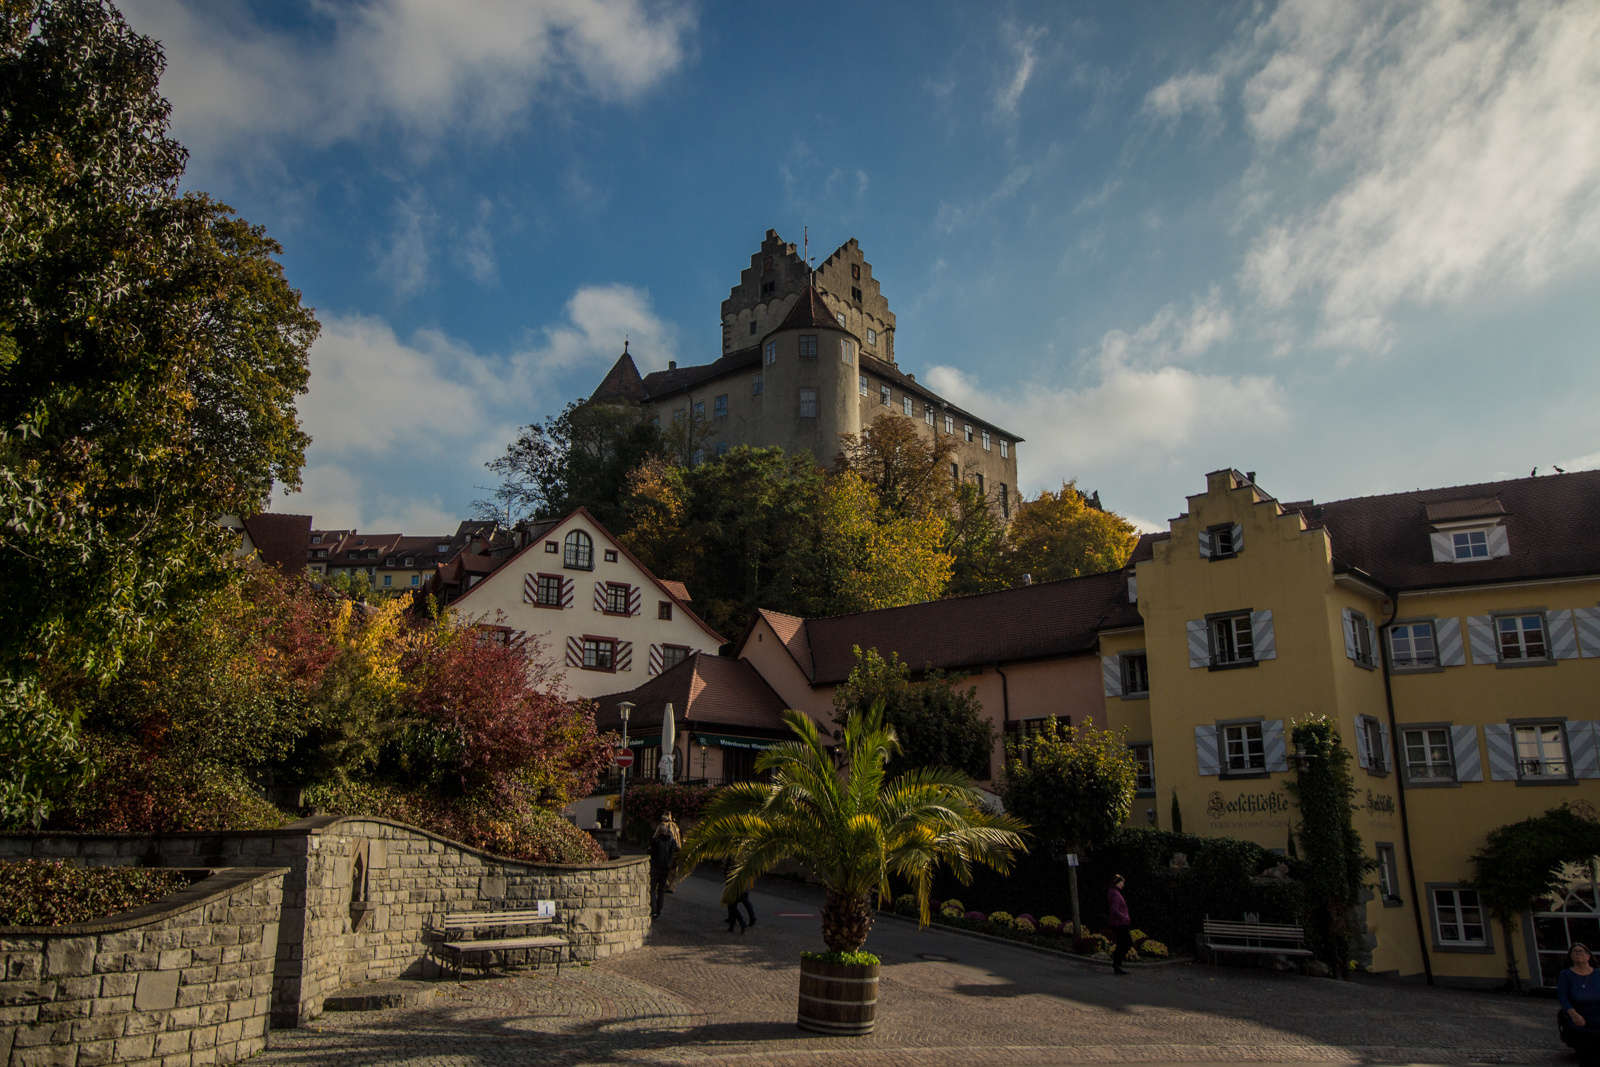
<point x="1248" y="811"/>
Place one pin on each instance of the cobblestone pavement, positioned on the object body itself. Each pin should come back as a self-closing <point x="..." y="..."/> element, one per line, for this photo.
<point x="698" y="995"/>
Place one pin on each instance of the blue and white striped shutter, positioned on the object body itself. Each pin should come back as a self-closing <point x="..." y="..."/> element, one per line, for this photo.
<point x="1481" y="629"/>
<point x="1563" y="638"/>
<point x="1587" y="623"/>
<point x="1581" y="743"/>
<point x="1464" y="746"/>
<point x="1261" y="634"/>
<point x="1205" y="750"/>
<point x="1111" y="670"/>
<point x="1205" y="543"/>
<point x="1447" y="636"/>
<point x="1363" y="750"/>
<point x="1238" y="539"/>
<point x="1199" y="647"/>
<point x="1444" y="548"/>
<point x="1385" y="760"/>
<point x="1502" y="754"/>
<point x="1349" y="633"/>
<point x="1498" y="545"/>
<point x="1273" y="746"/>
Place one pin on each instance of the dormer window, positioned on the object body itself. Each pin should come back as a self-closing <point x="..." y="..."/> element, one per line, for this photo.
<point x="1473" y="544"/>
<point x="1465" y="531"/>
<point x="316" y="539"/>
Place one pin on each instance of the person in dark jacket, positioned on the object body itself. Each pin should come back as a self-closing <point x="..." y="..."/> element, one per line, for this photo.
<point x="734" y="918"/>
<point x="663" y="858"/>
<point x="1578" y="993"/>
<point x="1120" y="923"/>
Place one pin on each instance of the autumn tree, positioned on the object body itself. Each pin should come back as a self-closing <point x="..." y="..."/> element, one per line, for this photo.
<point x="907" y="469"/>
<point x="1061" y="535"/>
<point x="870" y="560"/>
<point x="150" y="356"/>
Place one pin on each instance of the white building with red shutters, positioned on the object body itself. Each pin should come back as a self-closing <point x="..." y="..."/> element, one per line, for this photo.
<point x="596" y="609"/>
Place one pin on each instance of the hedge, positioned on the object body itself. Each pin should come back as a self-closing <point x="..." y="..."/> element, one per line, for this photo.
<point x="55" y="893"/>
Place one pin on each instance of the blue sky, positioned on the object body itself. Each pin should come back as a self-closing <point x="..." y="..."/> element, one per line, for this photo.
<point x="1353" y="247"/>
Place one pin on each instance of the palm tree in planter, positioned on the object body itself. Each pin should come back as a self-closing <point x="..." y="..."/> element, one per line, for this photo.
<point x="853" y="828"/>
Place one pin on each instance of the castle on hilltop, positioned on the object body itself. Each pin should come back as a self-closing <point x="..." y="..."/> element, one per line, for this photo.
<point x="808" y="355"/>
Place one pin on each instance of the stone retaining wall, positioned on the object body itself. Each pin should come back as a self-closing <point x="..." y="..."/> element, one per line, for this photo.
<point x="362" y="893"/>
<point x="183" y="982"/>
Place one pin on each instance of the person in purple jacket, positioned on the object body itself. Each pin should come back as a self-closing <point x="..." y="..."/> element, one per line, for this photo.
<point x="1578" y="993"/>
<point x="1120" y="922"/>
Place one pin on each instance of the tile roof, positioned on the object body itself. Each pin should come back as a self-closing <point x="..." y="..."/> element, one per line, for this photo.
<point x="622" y="382"/>
<point x="677" y="589"/>
<point x="280" y="540"/>
<point x="704" y="691"/>
<point x="1058" y="618"/>
<point x="661" y="383"/>
<point x="1552" y="525"/>
<point x="810" y="312"/>
<point x="884" y="369"/>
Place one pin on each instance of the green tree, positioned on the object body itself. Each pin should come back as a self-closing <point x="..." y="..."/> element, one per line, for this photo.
<point x="940" y="725"/>
<point x="1335" y="864"/>
<point x="975" y="538"/>
<point x="907" y="469"/>
<point x="1073" y="784"/>
<point x="1524" y="863"/>
<point x="581" y="457"/>
<point x="150" y="356"/>
<point x="1062" y="535"/>
<point x="853" y="826"/>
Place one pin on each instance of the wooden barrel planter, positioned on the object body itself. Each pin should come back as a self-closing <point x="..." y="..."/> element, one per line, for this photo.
<point x="838" y="998"/>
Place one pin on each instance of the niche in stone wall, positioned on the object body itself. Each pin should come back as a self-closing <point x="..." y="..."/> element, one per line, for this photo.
<point x="360" y="906"/>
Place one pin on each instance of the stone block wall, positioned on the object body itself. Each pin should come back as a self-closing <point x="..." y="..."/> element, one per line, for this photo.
<point x="362" y="895"/>
<point x="183" y="982"/>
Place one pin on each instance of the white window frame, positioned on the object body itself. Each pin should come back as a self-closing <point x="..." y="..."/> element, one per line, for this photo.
<point x="885" y="396"/>
<point x="986" y="447"/>
<point x="1469" y="545"/>
<point x="1225" y="643"/>
<point x="927" y="414"/>
<point x="847" y="351"/>
<point x="1452" y="906"/>
<point x="861" y="385"/>
<point x="1005" y="448"/>
<point x="1518" y="633"/>
<point x="1361" y="635"/>
<point x="872" y="336"/>
<point x="906" y="405"/>
<point x="838" y="315"/>
<point x="1132" y="676"/>
<point x="966" y="432"/>
<point x="1388" y="875"/>
<point x="950" y="424"/>
<point x="1412" y="658"/>
<point x="1532" y="745"/>
<point x="1426" y="745"/>
<point x="1377" y="757"/>
<point x="1144" y="768"/>
<point x="1251" y="749"/>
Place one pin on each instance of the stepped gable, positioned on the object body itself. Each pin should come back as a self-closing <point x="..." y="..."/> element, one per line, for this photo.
<point x="622" y="381"/>
<point x="810" y="312"/>
<point x="1048" y="619"/>
<point x="1552" y="525"/>
<point x="704" y="691"/>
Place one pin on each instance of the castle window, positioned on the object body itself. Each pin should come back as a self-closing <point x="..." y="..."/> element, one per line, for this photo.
<point x="966" y="431"/>
<point x="949" y="424"/>
<point x="1005" y="449"/>
<point x="986" y="441"/>
<point x="883" y="396"/>
<point x="862" y="384"/>
<point x="955" y="472"/>
<point x="847" y="351"/>
<point x="699" y="411"/>
<point x="927" y="414"/>
<point x="872" y="337"/>
<point x="980" y="482"/>
<point x="722" y="448"/>
<point x="905" y="403"/>
<point x="772" y="352"/>
<point x="808" y="346"/>
<point x="840" y="316"/>
<point x="808" y="403"/>
<point x="768" y="288"/>
<point x="855" y="293"/>
<point x="677" y="415"/>
<point x="719" y="406"/>
<point x="756" y="384"/>
<point x="752" y="327"/>
<point x="1005" y="502"/>
<point x="766" y="264"/>
<point x="855" y="272"/>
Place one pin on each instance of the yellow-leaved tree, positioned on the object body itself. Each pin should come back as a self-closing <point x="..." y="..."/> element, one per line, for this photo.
<point x="1063" y="535"/>
<point x="878" y="564"/>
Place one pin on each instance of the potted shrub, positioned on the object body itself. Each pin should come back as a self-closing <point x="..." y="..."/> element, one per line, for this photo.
<point x="853" y="827"/>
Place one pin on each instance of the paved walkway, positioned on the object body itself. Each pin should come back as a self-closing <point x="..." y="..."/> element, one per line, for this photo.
<point x="698" y="995"/>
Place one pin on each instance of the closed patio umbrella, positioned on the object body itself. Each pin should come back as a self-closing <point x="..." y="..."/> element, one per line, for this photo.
<point x="669" y="739"/>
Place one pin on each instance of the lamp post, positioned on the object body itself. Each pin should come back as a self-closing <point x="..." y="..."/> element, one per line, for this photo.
<point x="624" y="709"/>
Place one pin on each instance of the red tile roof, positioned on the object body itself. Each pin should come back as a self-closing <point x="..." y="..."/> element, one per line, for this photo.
<point x="1552" y="525"/>
<point x="622" y="382"/>
<point x="810" y="312"/>
<point x="704" y="691"/>
<point x="280" y="540"/>
<point x="677" y="589"/>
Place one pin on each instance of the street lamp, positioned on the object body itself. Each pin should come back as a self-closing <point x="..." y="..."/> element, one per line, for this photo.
<point x="624" y="709"/>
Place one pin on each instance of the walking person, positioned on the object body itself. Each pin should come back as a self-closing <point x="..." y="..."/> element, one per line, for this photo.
<point x="664" y="845"/>
<point x="734" y="917"/>
<point x="1578" y="992"/>
<point x="1120" y="923"/>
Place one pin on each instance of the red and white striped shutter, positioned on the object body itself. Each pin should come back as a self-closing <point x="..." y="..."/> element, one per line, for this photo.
<point x="655" y="660"/>
<point x="575" y="652"/>
<point x="635" y="599"/>
<point x="568" y="592"/>
<point x="599" y="596"/>
<point x="530" y="589"/>
<point x="624" y="655"/>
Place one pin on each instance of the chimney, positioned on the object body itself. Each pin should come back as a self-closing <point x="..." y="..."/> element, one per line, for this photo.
<point x="1027" y="579"/>
<point x="672" y="364"/>
<point x="1250" y="476"/>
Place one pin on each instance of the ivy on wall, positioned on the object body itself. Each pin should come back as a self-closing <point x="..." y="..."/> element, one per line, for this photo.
<point x="1334" y="863"/>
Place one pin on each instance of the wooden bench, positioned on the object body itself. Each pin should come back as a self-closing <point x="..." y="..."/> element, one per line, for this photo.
<point x="1275" y="939"/>
<point x="498" y="924"/>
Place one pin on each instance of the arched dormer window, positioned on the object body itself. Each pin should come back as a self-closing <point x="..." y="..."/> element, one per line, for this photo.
<point x="580" y="551"/>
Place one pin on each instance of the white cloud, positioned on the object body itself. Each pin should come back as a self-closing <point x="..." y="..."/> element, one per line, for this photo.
<point x="425" y="66"/>
<point x="380" y="407"/>
<point x="1448" y="149"/>
<point x="1141" y="405"/>
<point x="1186" y="92"/>
<point x="1020" y="40"/>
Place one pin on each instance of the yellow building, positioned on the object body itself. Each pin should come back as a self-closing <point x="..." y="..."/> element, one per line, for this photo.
<point x="1450" y="633"/>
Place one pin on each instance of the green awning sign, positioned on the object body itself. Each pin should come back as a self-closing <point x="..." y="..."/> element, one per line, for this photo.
<point x="723" y="741"/>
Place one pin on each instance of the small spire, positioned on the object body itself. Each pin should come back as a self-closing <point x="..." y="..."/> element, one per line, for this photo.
<point x="624" y="344"/>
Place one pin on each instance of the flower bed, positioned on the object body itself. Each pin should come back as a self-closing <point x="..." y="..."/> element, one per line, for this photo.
<point x="1046" y="932"/>
<point x="56" y="893"/>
